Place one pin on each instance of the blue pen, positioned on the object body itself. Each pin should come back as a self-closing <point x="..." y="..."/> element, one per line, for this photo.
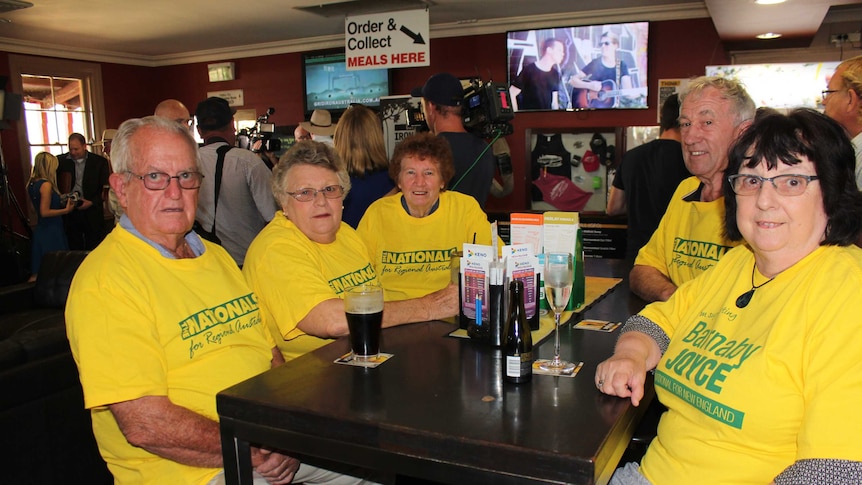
<point x="478" y="309"/>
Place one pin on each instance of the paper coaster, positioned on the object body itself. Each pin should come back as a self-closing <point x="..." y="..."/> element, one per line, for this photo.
<point x="537" y="369"/>
<point x="347" y="359"/>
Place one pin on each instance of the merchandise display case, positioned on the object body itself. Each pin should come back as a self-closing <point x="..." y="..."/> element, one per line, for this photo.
<point x="568" y="169"/>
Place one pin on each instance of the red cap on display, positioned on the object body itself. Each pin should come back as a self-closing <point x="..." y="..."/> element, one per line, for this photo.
<point x="590" y="161"/>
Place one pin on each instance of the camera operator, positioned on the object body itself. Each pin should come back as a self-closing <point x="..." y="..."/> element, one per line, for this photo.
<point x="442" y="103"/>
<point x="262" y="141"/>
<point x="245" y="202"/>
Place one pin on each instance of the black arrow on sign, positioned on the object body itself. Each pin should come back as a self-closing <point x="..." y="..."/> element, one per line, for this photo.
<point x="417" y="38"/>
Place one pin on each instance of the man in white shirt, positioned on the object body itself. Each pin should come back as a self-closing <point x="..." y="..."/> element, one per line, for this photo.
<point x="842" y="104"/>
<point x="245" y="201"/>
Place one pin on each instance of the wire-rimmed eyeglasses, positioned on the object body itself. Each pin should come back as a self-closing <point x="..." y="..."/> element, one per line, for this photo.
<point x="161" y="180"/>
<point x="788" y="184"/>
<point x="307" y="195"/>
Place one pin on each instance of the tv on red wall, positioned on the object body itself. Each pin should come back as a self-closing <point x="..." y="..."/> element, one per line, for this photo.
<point x="329" y="85"/>
<point x="602" y="66"/>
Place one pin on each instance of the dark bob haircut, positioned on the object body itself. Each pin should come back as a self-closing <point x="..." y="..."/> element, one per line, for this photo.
<point x="424" y="146"/>
<point x="774" y="138"/>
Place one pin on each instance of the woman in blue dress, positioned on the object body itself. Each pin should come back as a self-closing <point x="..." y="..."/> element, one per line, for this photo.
<point x="48" y="235"/>
<point x="358" y="139"/>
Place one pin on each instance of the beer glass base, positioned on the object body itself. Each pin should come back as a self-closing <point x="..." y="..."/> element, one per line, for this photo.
<point x="365" y="358"/>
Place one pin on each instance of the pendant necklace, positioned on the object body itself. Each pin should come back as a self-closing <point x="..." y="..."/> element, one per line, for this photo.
<point x="745" y="298"/>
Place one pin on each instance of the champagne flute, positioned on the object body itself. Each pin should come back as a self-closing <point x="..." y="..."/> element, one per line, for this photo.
<point x="559" y="274"/>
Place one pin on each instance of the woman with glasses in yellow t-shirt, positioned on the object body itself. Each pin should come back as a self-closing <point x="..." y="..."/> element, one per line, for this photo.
<point x="757" y="359"/>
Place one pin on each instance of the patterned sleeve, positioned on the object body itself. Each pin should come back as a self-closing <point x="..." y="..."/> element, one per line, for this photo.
<point x="833" y="472"/>
<point x="638" y="323"/>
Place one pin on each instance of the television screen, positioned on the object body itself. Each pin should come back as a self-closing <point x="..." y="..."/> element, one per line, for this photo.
<point x="329" y="85"/>
<point x="583" y="67"/>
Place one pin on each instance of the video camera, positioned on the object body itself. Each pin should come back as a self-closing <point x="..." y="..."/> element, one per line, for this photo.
<point x="259" y="138"/>
<point x="487" y="109"/>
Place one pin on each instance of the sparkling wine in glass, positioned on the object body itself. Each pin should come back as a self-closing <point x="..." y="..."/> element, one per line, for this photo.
<point x="559" y="274"/>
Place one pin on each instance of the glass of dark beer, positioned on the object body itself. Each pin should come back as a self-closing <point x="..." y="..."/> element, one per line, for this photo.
<point x="363" y="305"/>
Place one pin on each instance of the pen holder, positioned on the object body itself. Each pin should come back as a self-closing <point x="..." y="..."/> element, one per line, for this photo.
<point x="474" y="309"/>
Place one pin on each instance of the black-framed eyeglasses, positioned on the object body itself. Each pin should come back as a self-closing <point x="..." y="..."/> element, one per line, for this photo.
<point x="161" y="180"/>
<point x="787" y="185"/>
<point x="307" y="195"/>
<point x="827" y="92"/>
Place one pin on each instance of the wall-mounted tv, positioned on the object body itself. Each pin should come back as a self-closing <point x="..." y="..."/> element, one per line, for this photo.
<point x="329" y="85"/>
<point x="601" y="66"/>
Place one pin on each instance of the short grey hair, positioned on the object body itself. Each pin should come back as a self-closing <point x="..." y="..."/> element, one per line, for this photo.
<point x="741" y="103"/>
<point x="307" y="152"/>
<point x="124" y="151"/>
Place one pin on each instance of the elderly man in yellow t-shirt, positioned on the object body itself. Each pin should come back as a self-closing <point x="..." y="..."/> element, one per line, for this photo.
<point x="689" y="240"/>
<point x="159" y="321"/>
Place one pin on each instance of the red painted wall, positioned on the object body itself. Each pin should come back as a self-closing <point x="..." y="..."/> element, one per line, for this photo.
<point x="128" y="92"/>
<point x="678" y="49"/>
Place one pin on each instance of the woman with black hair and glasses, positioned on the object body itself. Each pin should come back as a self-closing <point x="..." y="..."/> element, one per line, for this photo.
<point x="757" y="359"/>
<point x="301" y="262"/>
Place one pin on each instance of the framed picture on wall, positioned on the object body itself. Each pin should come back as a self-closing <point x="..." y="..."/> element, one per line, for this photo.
<point x="569" y="168"/>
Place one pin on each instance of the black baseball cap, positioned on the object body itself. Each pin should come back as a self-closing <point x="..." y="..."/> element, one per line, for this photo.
<point x="443" y="89"/>
<point x="214" y="113"/>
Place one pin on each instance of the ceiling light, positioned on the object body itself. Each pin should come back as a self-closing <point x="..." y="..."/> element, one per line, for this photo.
<point x="769" y="35"/>
<point x="768" y="2"/>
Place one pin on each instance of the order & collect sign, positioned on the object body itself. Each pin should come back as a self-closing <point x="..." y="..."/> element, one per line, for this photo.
<point x="388" y="40"/>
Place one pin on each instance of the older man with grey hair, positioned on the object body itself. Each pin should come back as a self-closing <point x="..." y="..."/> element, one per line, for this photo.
<point x="160" y="320"/>
<point x="842" y="101"/>
<point x="689" y="239"/>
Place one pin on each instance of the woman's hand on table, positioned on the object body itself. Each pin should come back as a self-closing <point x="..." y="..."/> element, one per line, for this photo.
<point x="622" y="376"/>
<point x="624" y="373"/>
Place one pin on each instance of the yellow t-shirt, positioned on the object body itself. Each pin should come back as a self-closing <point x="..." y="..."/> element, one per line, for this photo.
<point x="689" y="239"/>
<point x="411" y="254"/>
<point x="141" y="324"/>
<point x="292" y="274"/>
<point x="751" y="390"/>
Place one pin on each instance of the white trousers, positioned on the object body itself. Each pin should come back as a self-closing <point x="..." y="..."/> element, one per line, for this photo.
<point x="307" y="474"/>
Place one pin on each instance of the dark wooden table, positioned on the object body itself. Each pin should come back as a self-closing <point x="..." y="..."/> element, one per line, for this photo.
<point x="439" y="409"/>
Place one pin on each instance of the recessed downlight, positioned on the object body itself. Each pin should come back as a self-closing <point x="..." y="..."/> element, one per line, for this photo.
<point x="769" y="35"/>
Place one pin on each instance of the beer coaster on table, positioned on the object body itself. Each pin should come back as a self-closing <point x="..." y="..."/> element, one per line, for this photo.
<point x="347" y="359"/>
<point x="459" y="333"/>
<point x="537" y="369"/>
<point x="597" y="325"/>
